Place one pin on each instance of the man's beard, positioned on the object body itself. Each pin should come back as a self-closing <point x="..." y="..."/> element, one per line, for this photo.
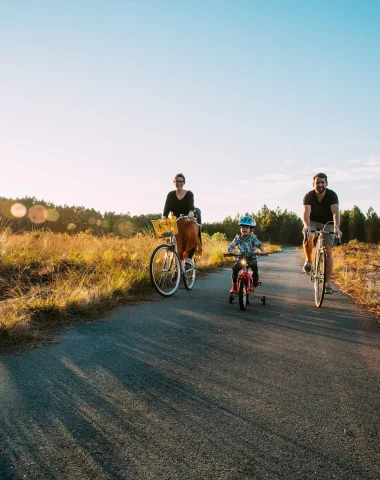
<point x="321" y="189"/>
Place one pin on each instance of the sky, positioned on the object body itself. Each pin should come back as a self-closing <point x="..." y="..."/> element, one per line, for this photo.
<point x="103" y="102"/>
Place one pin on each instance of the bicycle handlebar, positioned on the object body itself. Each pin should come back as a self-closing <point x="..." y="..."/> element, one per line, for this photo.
<point x="321" y="231"/>
<point x="230" y="254"/>
<point x="338" y="236"/>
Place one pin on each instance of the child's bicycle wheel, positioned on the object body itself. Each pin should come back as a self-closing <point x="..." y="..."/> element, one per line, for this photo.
<point x="243" y="295"/>
<point x="165" y="270"/>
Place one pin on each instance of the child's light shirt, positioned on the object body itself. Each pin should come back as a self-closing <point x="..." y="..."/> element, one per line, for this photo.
<point x="247" y="246"/>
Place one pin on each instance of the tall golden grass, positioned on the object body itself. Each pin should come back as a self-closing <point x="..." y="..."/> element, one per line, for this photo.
<point x="49" y="279"/>
<point x="357" y="272"/>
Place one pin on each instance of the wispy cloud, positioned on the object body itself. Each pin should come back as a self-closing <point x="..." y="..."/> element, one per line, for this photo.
<point x="372" y="160"/>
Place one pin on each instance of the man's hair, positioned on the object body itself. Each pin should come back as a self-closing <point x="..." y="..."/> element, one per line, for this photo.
<point x="179" y="175"/>
<point x="320" y="175"/>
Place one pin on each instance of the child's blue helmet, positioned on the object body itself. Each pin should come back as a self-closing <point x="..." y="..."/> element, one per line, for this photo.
<point x="248" y="221"/>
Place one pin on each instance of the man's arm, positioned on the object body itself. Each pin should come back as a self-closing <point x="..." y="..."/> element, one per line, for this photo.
<point x="306" y="215"/>
<point x="336" y="217"/>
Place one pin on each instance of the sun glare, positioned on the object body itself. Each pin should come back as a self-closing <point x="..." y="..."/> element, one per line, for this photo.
<point x="37" y="214"/>
<point x="51" y="214"/>
<point x="18" y="210"/>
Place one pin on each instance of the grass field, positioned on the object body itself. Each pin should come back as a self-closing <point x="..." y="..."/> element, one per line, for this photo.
<point x="357" y="272"/>
<point x="47" y="279"/>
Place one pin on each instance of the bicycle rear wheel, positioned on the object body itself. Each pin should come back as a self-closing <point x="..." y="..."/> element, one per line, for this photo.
<point x="165" y="270"/>
<point x="320" y="277"/>
<point x="242" y="295"/>
<point x="189" y="275"/>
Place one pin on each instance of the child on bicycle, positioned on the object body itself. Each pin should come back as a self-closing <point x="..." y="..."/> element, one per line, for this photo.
<point x="247" y="244"/>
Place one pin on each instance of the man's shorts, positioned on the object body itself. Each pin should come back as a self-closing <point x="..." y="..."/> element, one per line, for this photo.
<point x="329" y="239"/>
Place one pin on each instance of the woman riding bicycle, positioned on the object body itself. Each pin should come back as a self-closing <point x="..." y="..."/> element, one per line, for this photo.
<point x="181" y="202"/>
<point x="247" y="244"/>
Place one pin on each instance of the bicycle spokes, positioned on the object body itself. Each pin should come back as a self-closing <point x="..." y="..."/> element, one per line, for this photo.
<point x="320" y="276"/>
<point x="165" y="270"/>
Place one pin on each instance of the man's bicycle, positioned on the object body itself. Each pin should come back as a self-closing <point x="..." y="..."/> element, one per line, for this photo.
<point x="166" y="268"/>
<point x="318" y="270"/>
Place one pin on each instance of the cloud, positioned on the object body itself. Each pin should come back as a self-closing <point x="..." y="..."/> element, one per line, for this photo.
<point x="373" y="161"/>
<point x="367" y="172"/>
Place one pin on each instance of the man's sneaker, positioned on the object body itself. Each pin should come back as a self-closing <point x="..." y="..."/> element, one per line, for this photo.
<point x="329" y="290"/>
<point x="307" y="266"/>
<point x="189" y="262"/>
<point x="233" y="288"/>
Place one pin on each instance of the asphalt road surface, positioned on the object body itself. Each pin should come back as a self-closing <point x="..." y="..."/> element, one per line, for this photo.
<point x="191" y="387"/>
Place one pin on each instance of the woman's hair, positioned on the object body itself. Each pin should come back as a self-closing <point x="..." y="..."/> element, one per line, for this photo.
<point x="179" y="175"/>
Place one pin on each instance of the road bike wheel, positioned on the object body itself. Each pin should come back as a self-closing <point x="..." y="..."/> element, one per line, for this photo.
<point x="189" y="275"/>
<point x="264" y="299"/>
<point x="320" y="277"/>
<point x="242" y="295"/>
<point x="165" y="270"/>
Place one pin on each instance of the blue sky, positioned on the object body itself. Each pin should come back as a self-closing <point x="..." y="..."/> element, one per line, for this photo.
<point x="102" y="102"/>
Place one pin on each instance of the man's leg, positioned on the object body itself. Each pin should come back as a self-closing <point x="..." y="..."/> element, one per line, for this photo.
<point x="308" y="250"/>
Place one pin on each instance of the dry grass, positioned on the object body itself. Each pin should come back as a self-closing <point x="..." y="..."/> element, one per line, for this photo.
<point x="357" y="272"/>
<point x="50" y="279"/>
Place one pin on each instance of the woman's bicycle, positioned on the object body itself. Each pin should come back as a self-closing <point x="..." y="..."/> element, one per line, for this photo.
<point x="245" y="288"/>
<point x="318" y="270"/>
<point x="166" y="268"/>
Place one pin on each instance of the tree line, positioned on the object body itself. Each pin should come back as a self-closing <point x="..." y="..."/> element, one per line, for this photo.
<point x="274" y="226"/>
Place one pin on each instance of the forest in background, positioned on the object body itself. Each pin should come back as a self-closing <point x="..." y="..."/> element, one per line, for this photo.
<point x="274" y="226"/>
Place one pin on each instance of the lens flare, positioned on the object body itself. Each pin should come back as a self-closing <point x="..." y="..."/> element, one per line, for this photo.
<point x="18" y="210"/>
<point x="37" y="214"/>
<point x="51" y="214"/>
<point x="125" y="228"/>
<point x="92" y="221"/>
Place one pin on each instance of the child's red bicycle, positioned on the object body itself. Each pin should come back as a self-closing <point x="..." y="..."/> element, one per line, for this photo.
<point x="245" y="288"/>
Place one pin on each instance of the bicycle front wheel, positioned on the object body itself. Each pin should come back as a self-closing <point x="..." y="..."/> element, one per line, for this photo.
<point x="189" y="274"/>
<point x="165" y="270"/>
<point x="320" y="277"/>
<point x="242" y="295"/>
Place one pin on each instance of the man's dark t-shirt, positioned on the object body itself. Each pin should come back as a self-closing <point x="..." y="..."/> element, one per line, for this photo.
<point x="321" y="211"/>
<point x="179" y="207"/>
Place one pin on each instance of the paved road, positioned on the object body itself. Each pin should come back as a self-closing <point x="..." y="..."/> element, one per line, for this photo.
<point x="190" y="387"/>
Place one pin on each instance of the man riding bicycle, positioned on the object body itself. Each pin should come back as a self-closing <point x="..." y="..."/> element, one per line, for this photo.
<point x="321" y="205"/>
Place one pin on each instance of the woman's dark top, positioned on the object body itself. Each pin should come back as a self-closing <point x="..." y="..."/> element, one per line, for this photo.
<point x="321" y="211"/>
<point x="179" y="207"/>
